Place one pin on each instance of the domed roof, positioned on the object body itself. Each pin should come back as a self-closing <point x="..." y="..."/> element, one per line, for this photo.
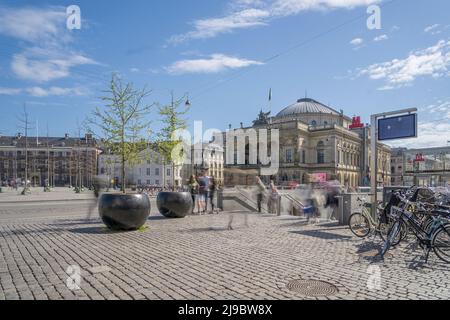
<point x="306" y="105"/>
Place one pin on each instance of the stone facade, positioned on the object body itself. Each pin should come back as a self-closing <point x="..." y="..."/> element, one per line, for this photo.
<point x="313" y="140"/>
<point x="150" y="171"/>
<point x="61" y="161"/>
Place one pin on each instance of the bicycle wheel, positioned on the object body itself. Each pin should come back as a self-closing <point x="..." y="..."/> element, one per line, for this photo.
<point x="359" y="225"/>
<point x="441" y="243"/>
<point x="384" y="228"/>
<point x="393" y="234"/>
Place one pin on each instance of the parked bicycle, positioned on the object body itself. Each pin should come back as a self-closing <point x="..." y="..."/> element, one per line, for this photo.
<point x="434" y="235"/>
<point x="362" y="223"/>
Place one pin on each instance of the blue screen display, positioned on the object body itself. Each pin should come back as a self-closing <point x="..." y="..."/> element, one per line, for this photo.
<point x="400" y="127"/>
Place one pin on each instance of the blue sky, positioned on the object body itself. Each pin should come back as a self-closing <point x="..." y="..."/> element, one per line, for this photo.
<point x="220" y="53"/>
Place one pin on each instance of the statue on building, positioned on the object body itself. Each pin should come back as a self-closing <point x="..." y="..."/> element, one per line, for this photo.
<point x="263" y="118"/>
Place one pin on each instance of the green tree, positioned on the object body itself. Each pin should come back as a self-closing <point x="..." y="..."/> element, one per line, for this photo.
<point x="122" y="121"/>
<point x="172" y="121"/>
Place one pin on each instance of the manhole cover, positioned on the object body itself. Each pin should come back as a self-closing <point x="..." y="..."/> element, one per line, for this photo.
<point x="312" y="288"/>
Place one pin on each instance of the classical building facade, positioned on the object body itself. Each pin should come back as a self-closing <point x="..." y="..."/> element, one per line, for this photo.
<point x="62" y="161"/>
<point x="206" y="155"/>
<point x="314" y="141"/>
<point x="150" y="171"/>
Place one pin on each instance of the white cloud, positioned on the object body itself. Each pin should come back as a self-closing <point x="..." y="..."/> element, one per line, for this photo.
<point x="43" y="92"/>
<point x="253" y="13"/>
<point x="432" y="61"/>
<point x="34" y="24"/>
<point x="433" y="29"/>
<point x="45" y="65"/>
<point x="381" y="38"/>
<point x="10" y="91"/>
<point x="43" y="29"/>
<point x="356" y="42"/>
<point x="209" y="28"/>
<point x="215" y="63"/>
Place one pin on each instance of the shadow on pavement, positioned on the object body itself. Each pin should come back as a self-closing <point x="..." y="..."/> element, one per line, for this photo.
<point x="322" y="235"/>
<point x="94" y="230"/>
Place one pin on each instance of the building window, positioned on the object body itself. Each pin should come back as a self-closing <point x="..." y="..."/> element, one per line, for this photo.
<point x="314" y="123"/>
<point x="289" y="155"/>
<point x="157" y="182"/>
<point x="320" y="152"/>
<point x="168" y="172"/>
<point x="148" y="171"/>
<point x="303" y="156"/>
<point x="156" y="171"/>
<point x="148" y="182"/>
<point x="139" y="182"/>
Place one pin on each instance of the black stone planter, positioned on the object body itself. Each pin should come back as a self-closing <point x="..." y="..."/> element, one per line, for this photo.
<point x="174" y="204"/>
<point x="124" y="211"/>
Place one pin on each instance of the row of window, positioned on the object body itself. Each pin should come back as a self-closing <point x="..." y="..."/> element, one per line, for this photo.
<point x="148" y="182"/>
<point x="290" y="157"/>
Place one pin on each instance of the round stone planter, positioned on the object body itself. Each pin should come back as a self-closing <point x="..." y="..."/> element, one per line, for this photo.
<point x="174" y="204"/>
<point x="124" y="211"/>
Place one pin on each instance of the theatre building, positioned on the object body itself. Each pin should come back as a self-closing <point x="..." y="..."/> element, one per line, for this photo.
<point x="316" y="141"/>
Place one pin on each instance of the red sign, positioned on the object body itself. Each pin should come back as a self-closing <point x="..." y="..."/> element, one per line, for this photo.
<point x="419" y="158"/>
<point x="356" y="123"/>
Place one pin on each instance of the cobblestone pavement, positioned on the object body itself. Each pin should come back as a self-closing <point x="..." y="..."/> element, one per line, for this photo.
<point x="198" y="258"/>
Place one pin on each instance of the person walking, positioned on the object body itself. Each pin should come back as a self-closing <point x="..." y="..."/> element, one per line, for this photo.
<point x="261" y="191"/>
<point x="193" y="189"/>
<point x="212" y="193"/>
<point x="273" y="198"/>
<point x="333" y="189"/>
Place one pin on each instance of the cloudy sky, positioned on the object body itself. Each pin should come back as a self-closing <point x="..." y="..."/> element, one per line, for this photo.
<point x="227" y="55"/>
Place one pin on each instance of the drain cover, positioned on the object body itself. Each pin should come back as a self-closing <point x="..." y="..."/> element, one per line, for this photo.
<point x="312" y="288"/>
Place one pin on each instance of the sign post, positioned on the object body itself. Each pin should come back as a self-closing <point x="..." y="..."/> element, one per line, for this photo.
<point x="402" y="124"/>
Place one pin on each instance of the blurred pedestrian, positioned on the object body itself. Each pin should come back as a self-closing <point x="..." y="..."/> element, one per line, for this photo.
<point x="212" y="193"/>
<point x="193" y="189"/>
<point x="260" y="193"/>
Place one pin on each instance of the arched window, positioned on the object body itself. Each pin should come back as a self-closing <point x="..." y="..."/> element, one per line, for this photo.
<point x="314" y="123"/>
<point x="320" y="152"/>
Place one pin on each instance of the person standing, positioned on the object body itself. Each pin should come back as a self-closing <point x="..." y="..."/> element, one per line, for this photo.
<point x="204" y="182"/>
<point x="193" y="189"/>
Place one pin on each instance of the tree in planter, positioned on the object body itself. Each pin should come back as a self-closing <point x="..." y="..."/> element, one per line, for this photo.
<point x="172" y="119"/>
<point x="121" y="121"/>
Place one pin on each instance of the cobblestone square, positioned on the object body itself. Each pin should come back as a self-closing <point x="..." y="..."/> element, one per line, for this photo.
<point x="198" y="258"/>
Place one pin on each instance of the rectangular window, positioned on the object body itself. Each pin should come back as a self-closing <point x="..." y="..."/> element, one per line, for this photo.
<point x="303" y="156"/>
<point x="156" y="171"/>
<point x="157" y="182"/>
<point x="168" y="172"/>
<point x="148" y="182"/>
<point x="148" y="171"/>
<point x="139" y="181"/>
<point x="289" y="156"/>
